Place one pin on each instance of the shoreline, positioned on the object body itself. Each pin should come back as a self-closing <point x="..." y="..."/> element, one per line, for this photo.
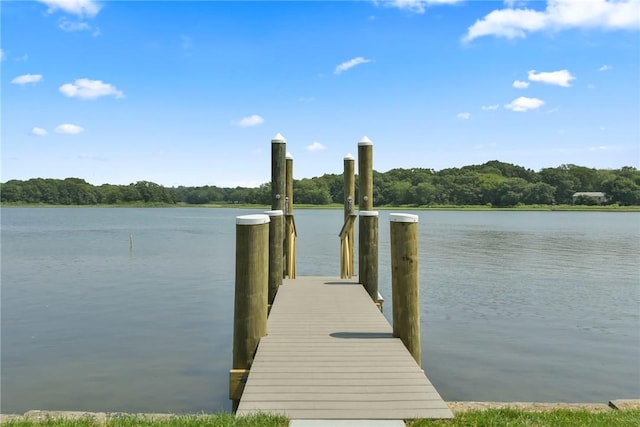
<point x="456" y="407"/>
<point x="478" y="208"/>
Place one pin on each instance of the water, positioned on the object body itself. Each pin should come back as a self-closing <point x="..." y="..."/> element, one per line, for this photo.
<point x="530" y="306"/>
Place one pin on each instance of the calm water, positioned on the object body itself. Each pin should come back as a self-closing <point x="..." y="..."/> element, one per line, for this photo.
<point x="532" y="306"/>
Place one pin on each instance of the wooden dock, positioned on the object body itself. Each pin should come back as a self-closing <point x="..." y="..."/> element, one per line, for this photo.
<point x="329" y="353"/>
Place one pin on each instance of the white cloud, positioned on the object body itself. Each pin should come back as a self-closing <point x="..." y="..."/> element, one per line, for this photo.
<point x="605" y="67"/>
<point x="520" y="84"/>
<point x="26" y="79"/>
<point x="601" y="148"/>
<point x="316" y="146"/>
<point x="559" y="78"/>
<point x="22" y="58"/>
<point x="69" y="129"/>
<point x="415" y="6"/>
<point x="558" y="15"/>
<point x="249" y="121"/>
<point x="524" y="104"/>
<point x="82" y="8"/>
<point x="39" y="131"/>
<point x="1" y="55"/>
<point x="71" y="26"/>
<point x="307" y="99"/>
<point x="464" y="116"/>
<point x="490" y="107"/>
<point x="350" y="64"/>
<point x="89" y="89"/>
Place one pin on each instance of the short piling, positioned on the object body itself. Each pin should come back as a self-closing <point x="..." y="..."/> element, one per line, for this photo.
<point x="404" y="281"/>
<point x="349" y="207"/>
<point x="276" y="241"/>
<point x="288" y="174"/>
<point x="368" y="221"/>
<point x="251" y="297"/>
<point x="290" y="231"/>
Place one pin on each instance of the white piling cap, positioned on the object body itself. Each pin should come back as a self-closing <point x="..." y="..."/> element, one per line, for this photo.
<point x="278" y="139"/>
<point x="365" y="141"/>
<point x="255" y="219"/>
<point x="403" y="217"/>
<point x="288" y="156"/>
<point x="349" y="156"/>
<point x="274" y="213"/>
<point x="368" y="213"/>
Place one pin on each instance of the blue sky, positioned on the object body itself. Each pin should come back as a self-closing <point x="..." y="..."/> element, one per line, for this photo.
<point x="191" y="93"/>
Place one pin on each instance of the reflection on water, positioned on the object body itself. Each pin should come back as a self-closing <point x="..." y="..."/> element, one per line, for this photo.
<point x="538" y="306"/>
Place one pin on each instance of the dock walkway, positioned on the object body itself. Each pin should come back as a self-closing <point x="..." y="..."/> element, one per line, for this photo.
<point x="330" y="354"/>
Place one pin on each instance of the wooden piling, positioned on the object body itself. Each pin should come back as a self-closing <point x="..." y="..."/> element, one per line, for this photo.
<point x="251" y="295"/>
<point x="368" y="221"/>
<point x="349" y="208"/>
<point x="288" y="205"/>
<point x="278" y="148"/>
<point x="290" y="226"/>
<point x="368" y="252"/>
<point x="404" y="281"/>
<point x="276" y="250"/>
<point x="365" y="174"/>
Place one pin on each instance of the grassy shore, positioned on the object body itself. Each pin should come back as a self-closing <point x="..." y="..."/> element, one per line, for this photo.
<point x="490" y="417"/>
<point x="572" y="208"/>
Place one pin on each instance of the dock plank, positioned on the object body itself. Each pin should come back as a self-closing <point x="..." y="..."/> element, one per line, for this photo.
<point x="330" y="354"/>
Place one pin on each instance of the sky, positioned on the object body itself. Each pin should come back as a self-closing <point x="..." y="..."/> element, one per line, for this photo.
<point x="192" y="92"/>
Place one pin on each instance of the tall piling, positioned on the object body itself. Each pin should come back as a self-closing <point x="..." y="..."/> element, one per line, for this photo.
<point x="365" y="174"/>
<point x="404" y="281"/>
<point x="368" y="221"/>
<point x="290" y="227"/>
<point x="276" y="250"/>
<point x="278" y="149"/>
<point x="251" y="297"/>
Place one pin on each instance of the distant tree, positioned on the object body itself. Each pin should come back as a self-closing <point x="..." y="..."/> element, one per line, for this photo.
<point x="12" y="191"/>
<point x="622" y="190"/>
<point x="539" y="193"/>
<point x="260" y="195"/>
<point x="425" y="194"/>
<point x="565" y="184"/>
<point x="311" y="191"/>
<point x="587" y="179"/>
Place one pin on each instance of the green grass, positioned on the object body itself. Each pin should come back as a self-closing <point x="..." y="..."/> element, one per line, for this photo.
<point x="523" y="418"/>
<point x="486" y="418"/>
<point x="220" y="420"/>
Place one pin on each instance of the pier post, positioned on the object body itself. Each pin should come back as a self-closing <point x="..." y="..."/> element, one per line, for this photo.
<point x="368" y="221"/>
<point x="276" y="241"/>
<point x="250" y="306"/>
<point x="365" y="174"/>
<point x="348" y="260"/>
<point x="368" y="253"/>
<point x="288" y="205"/>
<point x="290" y="232"/>
<point x="404" y="281"/>
<point x="278" y="148"/>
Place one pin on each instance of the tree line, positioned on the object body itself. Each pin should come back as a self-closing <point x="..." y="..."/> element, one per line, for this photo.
<point x="493" y="183"/>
